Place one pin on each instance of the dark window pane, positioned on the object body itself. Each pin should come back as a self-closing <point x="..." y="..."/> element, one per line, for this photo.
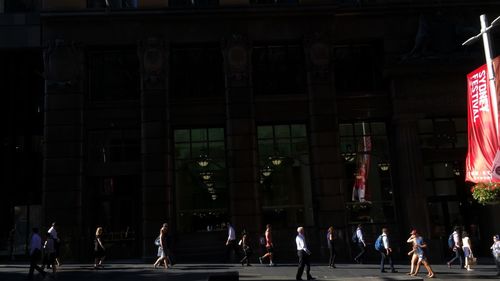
<point x="265" y="132"/>
<point x="356" y="69"/>
<point x="279" y="70"/>
<point x="114" y="76"/>
<point x="181" y="135"/>
<point x="196" y="72"/>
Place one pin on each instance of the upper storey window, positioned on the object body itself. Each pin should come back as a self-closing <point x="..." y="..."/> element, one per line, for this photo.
<point x="274" y="1"/>
<point x="279" y="69"/>
<point x="196" y="72"/>
<point x="114" y="75"/>
<point x="192" y="3"/>
<point x="357" y="69"/>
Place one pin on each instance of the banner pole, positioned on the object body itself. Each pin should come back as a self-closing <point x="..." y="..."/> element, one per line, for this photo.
<point x="487" y="53"/>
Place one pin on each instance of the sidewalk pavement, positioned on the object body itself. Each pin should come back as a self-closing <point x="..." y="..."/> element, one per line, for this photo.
<point x="204" y="272"/>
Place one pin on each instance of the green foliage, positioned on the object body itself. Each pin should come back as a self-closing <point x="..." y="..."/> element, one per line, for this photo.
<point x="486" y="192"/>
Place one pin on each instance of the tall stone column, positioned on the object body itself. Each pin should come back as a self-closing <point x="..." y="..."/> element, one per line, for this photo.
<point x="63" y="145"/>
<point x="157" y="170"/>
<point x="328" y="199"/>
<point x="241" y="135"/>
<point x="410" y="176"/>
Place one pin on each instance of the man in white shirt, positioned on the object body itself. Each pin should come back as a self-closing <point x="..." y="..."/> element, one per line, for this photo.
<point x="35" y="254"/>
<point x="457" y="248"/>
<point x="53" y="232"/>
<point x="386" y="252"/>
<point x="303" y="253"/>
<point x="230" y="242"/>
<point x="361" y="244"/>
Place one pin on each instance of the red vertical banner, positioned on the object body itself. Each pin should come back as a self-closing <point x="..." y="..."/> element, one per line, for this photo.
<point x="363" y="166"/>
<point x="482" y="124"/>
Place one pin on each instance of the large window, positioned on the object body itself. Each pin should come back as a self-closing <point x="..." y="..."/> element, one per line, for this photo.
<point x="196" y="72"/>
<point x="200" y="179"/>
<point x="286" y="187"/>
<point x="443" y="142"/>
<point x="357" y="69"/>
<point x="279" y="69"/>
<point x="114" y="146"/>
<point x="192" y="3"/>
<point x="366" y="144"/>
<point x="114" y="75"/>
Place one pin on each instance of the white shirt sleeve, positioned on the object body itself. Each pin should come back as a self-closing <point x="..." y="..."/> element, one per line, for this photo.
<point x="385" y="240"/>
<point x="301" y="243"/>
<point x="359" y="234"/>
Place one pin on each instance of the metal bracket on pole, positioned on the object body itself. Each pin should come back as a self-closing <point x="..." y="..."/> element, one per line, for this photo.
<point x="485" y="34"/>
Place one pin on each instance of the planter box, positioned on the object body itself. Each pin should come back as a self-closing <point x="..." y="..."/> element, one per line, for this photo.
<point x="64" y="5"/>
<point x="153" y="3"/>
<point x="234" y="2"/>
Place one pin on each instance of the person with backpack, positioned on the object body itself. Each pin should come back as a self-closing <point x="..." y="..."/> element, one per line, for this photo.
<point x="455" y="244"/>
<point x="360" y="242"/>
<point x="383" y="247"/>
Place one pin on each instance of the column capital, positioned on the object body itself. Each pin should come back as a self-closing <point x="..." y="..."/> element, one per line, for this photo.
<point x="64" y="64"/>
<point x="153" y="55"/>
<point x="318" y="56"/>
<point x="237" y="51"/>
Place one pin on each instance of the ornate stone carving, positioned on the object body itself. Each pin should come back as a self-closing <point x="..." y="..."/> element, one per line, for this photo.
<point x="64" y="63"/>
<point x="318" y="56"/>
<point x="153" y="56"/>
<point x="237" y="53"/>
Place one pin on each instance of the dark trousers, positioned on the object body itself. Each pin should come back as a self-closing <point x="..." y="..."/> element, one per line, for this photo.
<point x="231" y="247"/>
<point x="361" y="254"/>
<point x="246" y="258"/>
<point x="383" y="256"/>
<point x="303" y="262"/>
<point x="34" y="258"/>
<point x="331" y="249"/>
<point x="458" y="255"/>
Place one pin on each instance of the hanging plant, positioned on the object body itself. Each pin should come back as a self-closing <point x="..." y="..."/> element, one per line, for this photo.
<point x="486" y="192"/>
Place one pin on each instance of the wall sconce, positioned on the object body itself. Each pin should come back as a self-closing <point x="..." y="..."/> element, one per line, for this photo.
<point x="211" y="190"/>
<point x="209" y="183"/>
<point x="214" y="196"/>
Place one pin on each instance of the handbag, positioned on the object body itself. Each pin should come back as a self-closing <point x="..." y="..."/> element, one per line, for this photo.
<point x="157" y="241"/>
<point x="472" y="260"/>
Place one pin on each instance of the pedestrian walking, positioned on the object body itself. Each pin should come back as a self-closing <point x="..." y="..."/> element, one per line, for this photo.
<point x="12" y="242"/>
<point x="35" y="254"/>
<point x="50" y="253"/>
<point x="246" y="248"/>
<point x="495" y="251"/>
<point x="303" y="253"/>
<point x="163" y="248"/>
<point x="330" y="240"/>
<point x="413" y="252"/>
<point x="57" y="242"/>
<point x="383" y="246"/>
<point x="467" y="249"/>
<point x="99" y="249"/>
<point x="455" y="244"/>
<point x="360" y="242"/>
<point x="268" y="236"/>
<point x="421" y="247"/>
<point x="231" y="242"/>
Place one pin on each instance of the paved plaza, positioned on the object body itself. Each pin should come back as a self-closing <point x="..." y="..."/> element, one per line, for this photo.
<point x="204" y="272"/>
